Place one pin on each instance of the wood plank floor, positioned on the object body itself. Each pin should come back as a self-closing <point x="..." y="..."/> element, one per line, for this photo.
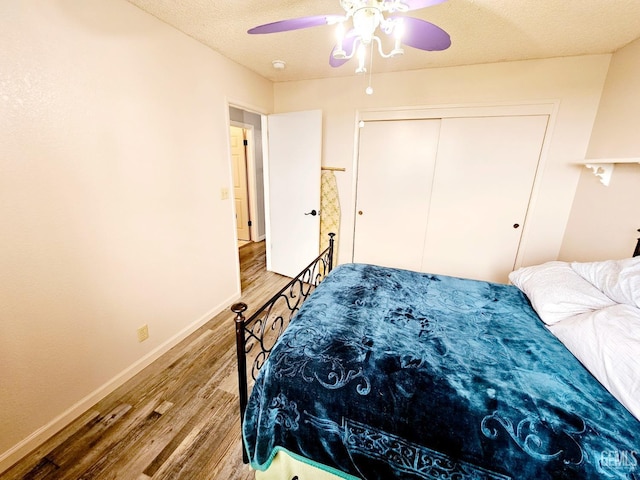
<point x="177" y="419"/>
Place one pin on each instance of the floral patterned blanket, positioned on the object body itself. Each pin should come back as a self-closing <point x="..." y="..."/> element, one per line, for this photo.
<point x="393" y="374"/>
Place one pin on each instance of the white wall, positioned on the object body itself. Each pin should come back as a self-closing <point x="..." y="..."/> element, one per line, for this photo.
<point x="113" y="153"/>
<point x="604" y="220"/>
<point x="575" y="83"/>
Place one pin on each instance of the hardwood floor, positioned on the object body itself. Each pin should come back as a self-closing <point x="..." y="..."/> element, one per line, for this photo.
<point x="177" y="419"/>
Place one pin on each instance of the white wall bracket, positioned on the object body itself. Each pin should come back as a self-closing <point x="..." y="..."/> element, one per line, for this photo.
<point x="603" y="167"/>
<point x="602" y="170"/>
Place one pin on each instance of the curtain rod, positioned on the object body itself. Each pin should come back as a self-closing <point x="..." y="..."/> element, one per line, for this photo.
<point x="334" y="169"/>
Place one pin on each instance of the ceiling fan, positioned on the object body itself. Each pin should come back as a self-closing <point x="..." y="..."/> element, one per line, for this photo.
<point x="368" y="16"/>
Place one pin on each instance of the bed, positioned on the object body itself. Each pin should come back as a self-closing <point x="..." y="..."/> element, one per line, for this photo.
<point x="392" y="374"/>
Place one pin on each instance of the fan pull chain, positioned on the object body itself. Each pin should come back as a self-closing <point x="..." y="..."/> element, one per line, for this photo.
<point x="369" y="89"/>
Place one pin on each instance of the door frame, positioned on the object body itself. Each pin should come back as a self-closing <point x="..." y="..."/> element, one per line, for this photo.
<point x="251" y="167"/>
<point x="550" y="108"/>
<point x="254" y="212"/>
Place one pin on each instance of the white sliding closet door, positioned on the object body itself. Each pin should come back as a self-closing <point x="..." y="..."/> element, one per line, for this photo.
<point x="395" y="172"/>
<point x="483" y="181"/>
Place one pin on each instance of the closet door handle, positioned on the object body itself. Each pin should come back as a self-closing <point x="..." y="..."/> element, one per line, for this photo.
<point x="516" y="225"/>
<point x="359" y="212"/>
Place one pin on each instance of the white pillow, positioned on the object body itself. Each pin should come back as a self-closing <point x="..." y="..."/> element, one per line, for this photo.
<point x="607" y="342"/>
<point x="618" y="279"/>
<point x="556" y="292"/>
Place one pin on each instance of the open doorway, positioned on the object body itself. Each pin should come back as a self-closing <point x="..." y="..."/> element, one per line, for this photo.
<point x="293" y="186"/>
<point x="250" y="124"/>
<point x="246" y="140"/>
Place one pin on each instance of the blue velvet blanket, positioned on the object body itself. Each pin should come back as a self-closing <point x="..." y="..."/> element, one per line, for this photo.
<point x="392" y="374"/>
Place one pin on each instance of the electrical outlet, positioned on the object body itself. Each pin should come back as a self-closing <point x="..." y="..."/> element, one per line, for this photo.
<point x="224" y="193"/>
<point x="143" y="333"/>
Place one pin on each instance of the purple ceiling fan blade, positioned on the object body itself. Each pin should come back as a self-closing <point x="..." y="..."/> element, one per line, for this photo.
<point x="347" y="46"/>
<point x="423" y="35"/>
<point x="296" y="24"/>
<point x="418" y="4"/>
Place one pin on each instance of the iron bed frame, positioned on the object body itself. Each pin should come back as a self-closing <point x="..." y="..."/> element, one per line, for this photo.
<point x="264" y="327"/>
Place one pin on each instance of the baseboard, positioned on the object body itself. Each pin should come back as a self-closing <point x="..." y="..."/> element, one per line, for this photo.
<point x="41" y="435"/>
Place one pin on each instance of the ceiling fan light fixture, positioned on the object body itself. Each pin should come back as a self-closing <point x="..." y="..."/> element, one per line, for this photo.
<point x="365" y="22"/>
<point x="398" y="6"/>
<point x="339" y="50"/>
<point x="367" y="17"/>
<point x="398" y="33"/>
<point x="339" y="54"/>
<point x="396" y="52"/>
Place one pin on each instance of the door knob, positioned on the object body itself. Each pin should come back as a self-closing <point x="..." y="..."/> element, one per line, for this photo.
<point x="359" y="212"/>
<point x="516" y="225"/>
<point x="312" y="212"/>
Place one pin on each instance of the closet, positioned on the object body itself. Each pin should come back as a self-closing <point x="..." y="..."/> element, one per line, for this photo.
<point x="446" y="195"/>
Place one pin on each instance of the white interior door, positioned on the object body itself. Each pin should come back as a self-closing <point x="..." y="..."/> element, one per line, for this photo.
<point x="395" y="171"/>
<point x="293" y="190"/>
<point x="483" y="181"/>
<point x="240" y="185"/>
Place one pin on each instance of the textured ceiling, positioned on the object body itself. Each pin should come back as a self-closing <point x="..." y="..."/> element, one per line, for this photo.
<point x="482" y="31"/>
